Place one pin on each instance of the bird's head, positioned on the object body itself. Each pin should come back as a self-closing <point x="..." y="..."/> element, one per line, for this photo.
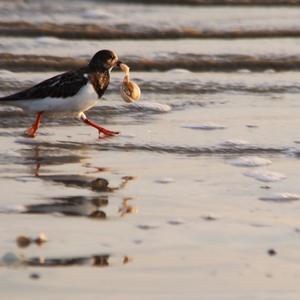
<point x="104" y="60"/>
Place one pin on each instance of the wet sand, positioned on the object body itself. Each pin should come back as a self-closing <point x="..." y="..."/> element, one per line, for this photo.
<point x="198" y="197"/>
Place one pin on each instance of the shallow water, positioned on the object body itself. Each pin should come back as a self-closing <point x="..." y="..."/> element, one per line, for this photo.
<point x="198" y="197"/>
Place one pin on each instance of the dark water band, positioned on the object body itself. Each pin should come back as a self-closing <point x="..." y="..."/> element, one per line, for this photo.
<point x="131" y="31"/>
<point x="188" y="61"/>
<point x="213" y="2"/>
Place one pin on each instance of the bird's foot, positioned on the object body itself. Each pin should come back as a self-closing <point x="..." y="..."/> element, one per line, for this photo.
<point x="101" y="129"/>
<point x="107" y="132"/>
<point x="31" y="132"/>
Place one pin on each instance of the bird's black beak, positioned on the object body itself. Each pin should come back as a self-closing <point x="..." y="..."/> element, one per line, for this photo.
<point x="118" y="63"/>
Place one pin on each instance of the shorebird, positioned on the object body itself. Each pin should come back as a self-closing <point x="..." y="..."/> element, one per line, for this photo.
<point x="73" y="92"/>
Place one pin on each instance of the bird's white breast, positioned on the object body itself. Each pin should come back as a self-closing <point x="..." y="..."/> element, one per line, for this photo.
<point x="85" y="99"/>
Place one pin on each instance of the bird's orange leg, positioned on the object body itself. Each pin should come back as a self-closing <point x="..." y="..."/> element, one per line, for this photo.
<point x="31" y="132"/>
<point x="95" y="125"/>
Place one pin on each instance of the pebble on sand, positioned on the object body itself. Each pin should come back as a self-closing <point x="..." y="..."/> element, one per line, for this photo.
<point x="272" y="252"/>
<point x="23" y="241"/>
<point x="11" y="259"/>
<point x="35" y="276"/>
<point x="165" y="180"/>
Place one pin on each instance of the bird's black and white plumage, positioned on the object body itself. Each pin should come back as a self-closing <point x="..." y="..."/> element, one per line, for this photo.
<point x="71" y="92"/>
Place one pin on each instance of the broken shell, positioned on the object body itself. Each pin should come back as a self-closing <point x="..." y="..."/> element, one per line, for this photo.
<point x="41" y="239"/>
<point x="130" y="91"/>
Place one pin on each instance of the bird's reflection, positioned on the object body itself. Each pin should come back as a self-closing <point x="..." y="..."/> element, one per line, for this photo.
<point x="92" y="207"/>
<point x="39" y="156"/>
<point x="74" y="205"/>
<point x="125" y="208"/>
<point x="87" y="182"/>
<point x="70" y="206"/>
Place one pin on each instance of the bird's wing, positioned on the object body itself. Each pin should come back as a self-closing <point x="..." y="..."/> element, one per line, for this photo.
<point x="60" y="86"/>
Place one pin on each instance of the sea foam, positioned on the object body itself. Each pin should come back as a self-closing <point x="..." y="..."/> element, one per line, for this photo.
<point x="265" y="175"/>
<point x="250" y="161"/>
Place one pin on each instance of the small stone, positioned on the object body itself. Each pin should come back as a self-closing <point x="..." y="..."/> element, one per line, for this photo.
<point x="35" y="276"/>
<point x="23" y="241"/>
<point x="272" y="252"/>
<point x="11" y="259"/>
<point x="210" y="217"/>
<point x="265" y="187"/>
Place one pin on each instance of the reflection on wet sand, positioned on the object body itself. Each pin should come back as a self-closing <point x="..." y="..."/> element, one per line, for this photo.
<point x="87" y="206"/>
<point x="80" y="205"/>
<point x="38" y="157"/>
<point x="70" y="206"/>
<point x="125" y="208"/>
<point x="82" y="181"/>
<point x="98" y="260"/>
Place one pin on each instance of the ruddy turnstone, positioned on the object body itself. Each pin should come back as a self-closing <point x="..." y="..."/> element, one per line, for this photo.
<point x="72" y="92"/>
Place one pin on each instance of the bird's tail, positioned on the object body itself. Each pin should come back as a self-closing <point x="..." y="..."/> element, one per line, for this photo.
<point x="10" y="98"/>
